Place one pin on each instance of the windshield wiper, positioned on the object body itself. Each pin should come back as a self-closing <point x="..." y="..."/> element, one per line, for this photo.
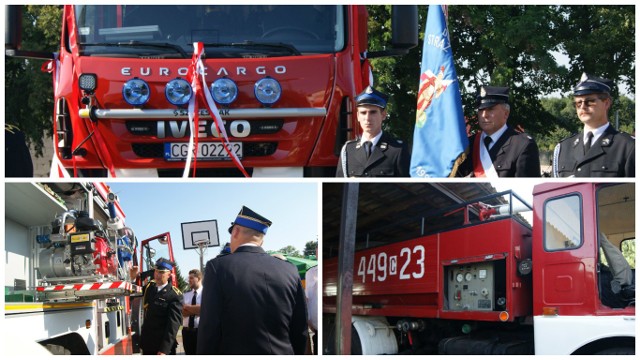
<point x="134" y="43"/>
<point x="292" y="49"/>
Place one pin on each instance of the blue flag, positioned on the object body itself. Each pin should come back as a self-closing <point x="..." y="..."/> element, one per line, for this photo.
<point x="440" y="137"/>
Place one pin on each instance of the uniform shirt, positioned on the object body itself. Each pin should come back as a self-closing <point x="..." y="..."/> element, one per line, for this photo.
<point x="374" y="140"/>
<point x="514" y="154"/>
<point x="188" y="297"/>
<point x="253" y="304"/>
<point x="612" y="155"/>
<point x="311" y="292"/>
<point x="162" y="318"/>
<point x="494" y="137"/>
<point x="596" y="134"/>
<point x="389" y="158"/>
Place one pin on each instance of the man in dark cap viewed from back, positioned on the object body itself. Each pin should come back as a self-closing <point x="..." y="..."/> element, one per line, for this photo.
<point x="499" y="150"/>
<point x="162" y="303"/>
<point x="376" y="153"/>
<point x="598" y="150"/>
<point x="253" y="303"/>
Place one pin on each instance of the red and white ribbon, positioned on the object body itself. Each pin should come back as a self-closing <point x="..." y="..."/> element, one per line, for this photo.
<point x="200" y="92"/>
<point x="482" y="164"/>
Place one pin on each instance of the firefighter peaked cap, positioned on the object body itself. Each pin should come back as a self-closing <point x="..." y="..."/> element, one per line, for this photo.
<point x="590" y="84"/>
<point x="252" y="220"/>
<point x="164" y="264"/>
<point x="489" y="96"/>
<point x="371" y="96"/>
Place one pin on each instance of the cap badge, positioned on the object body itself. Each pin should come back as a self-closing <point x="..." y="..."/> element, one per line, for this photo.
<point x="483" y="92"/>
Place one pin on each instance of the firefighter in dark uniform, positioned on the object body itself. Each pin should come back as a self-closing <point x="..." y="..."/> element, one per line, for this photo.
<point x="499" y="150"/>
<point x="253" y="303"/>
<point x="598" y="150"/>
<point x="162" y="304"/>
<point x="376" y="153"/>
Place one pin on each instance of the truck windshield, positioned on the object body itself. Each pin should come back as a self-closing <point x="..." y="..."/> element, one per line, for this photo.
<point x="227" y="31"/>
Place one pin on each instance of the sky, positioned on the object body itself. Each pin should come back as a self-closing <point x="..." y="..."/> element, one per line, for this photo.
<point x="154" y="208"/>
<point x="521" y="187"/>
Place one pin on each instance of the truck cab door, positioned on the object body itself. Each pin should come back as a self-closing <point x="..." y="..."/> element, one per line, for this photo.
<point x="565" y="254"/>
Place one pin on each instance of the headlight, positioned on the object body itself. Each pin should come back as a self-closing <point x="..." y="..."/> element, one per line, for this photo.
<point x="267" y="90"/>
<point x="135" y="92"/>
<point x="178" y="91"/>
<point x="87" y="82"/>
<point x="224" y="91"/>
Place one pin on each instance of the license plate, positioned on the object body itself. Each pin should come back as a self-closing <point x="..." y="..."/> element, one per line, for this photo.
<point x="206" y="151"/>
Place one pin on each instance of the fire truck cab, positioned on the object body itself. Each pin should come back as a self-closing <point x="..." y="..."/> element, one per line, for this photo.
<point x="283" y="79"/>
<point x="497" y="283"/>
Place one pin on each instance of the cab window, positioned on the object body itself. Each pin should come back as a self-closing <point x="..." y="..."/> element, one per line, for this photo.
<point x="562" y="223"/>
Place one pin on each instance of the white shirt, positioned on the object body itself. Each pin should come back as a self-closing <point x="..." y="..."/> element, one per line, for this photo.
<point x="374" y="140"/>
<point x="494" y="137"/>
<point x="311" y="292"/>
<point x="187" y="297"/>
<point x="248" y="244"/>
<point x="160" y="287"/>
<point x="596" y="133"/>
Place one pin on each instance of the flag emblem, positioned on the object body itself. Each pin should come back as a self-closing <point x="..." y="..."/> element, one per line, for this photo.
<point x="431" y="87"/>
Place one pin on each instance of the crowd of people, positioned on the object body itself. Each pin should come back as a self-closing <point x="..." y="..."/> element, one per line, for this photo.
<point x="248" y="302"/>
<point x="498" y="150"/>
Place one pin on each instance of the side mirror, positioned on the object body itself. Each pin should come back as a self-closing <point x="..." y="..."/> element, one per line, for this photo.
<point x="404" y="26"/>
<point x="12" y="28"/>
<point x="404" y="31"/>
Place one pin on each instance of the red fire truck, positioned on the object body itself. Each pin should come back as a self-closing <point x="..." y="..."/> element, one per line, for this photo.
<point x="67" y="284"/>
<point x="494" y="284"/>
<point x="282" y="79"/>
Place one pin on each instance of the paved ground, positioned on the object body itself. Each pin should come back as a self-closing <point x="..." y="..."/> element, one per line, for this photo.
<point x="180" y="349"/>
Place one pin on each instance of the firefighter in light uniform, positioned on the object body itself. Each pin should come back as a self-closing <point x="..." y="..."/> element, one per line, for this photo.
<point x="162" y="312"/>
<point x="376" y="153"/>
<point x="598" y="150"/>
<point x="252" y="302"/>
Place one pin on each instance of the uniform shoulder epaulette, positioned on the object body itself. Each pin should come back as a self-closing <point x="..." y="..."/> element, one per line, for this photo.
<point x="176" y="290"/>
<point x="627" y="135"/>
<point x="351" y="141"/>
<point x="525" y="135"/>
<point x="279" y="257"/>
<point x="568" y="137"/>
<point x="11" y="128"/>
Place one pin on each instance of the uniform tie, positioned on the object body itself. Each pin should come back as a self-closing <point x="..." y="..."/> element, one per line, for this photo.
<point x="192" y="318"/>
<point x="587" y="144"/>
<point x="367" y="148"/>
<point x="487" y="142"/>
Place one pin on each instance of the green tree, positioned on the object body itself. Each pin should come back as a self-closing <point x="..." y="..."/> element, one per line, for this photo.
<point x="629" y="251"/>
<point x="28" y="90"/>
<point x="512" y="45"/>
<point x="310" y="248"/>
<point x="183" y="285"/>
<point x="290" y="250"/>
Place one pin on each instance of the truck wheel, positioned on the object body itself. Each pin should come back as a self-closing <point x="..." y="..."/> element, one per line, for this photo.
<point x="617" y="351"/>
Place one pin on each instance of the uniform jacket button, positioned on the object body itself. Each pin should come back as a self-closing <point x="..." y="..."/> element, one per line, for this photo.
<point x="579" y="169"/>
